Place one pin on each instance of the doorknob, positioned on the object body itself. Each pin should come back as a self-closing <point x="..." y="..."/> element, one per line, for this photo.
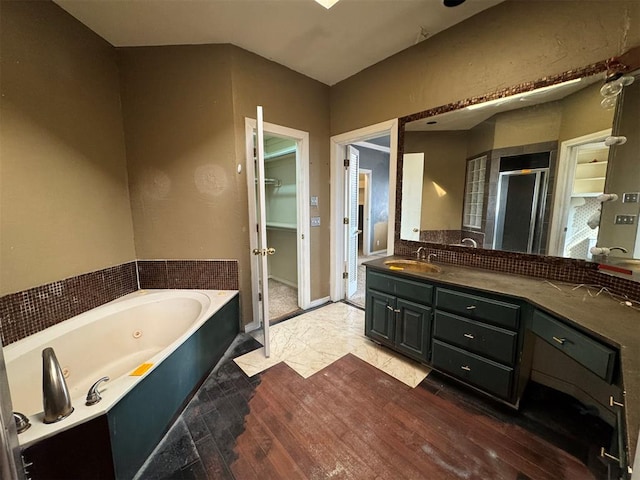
<point x="416" y="230"/>
<point x="264" y="251"/>
<point x="271" y="251"/>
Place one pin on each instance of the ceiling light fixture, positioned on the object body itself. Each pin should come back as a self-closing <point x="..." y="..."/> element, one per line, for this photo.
<point x="327" y="3"/>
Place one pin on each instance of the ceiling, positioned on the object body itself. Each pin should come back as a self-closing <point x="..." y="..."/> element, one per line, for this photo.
<point x="327" y="45"/>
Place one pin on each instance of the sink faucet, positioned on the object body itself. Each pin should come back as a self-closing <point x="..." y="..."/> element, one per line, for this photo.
<point x="419" y="252"/>
<point x="55" y="394"/>
<point x="605" y="250"/>
<point x="430" y="256"/>
<point x="474" y="244"/>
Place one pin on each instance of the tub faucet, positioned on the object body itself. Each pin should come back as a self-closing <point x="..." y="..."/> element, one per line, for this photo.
<point x="55" y="394"/>
<point x="605" y="250"/>
<point x="93" y="396"/>
<point x="474" y="244"/>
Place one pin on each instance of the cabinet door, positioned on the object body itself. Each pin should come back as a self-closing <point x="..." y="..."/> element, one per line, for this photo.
<point x="379" y="316"/>
<point x="413" y="329"/>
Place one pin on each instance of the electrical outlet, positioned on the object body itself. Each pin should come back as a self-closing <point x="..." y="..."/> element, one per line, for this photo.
<point x="314" y="201"/>
<point x="625" y="220"/>
<point x="315" y="221"/>
<point x="630" y="197"/>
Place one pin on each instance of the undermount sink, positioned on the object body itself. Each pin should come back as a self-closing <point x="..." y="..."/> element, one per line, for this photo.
<point x="413" y="266"/>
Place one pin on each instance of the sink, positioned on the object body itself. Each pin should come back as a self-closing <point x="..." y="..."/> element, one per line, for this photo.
<point x="413" y="266"/>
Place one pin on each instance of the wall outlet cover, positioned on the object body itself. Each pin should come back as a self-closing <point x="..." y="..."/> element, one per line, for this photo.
<point x="314" y="201"/>
<point x="315" y="221"/>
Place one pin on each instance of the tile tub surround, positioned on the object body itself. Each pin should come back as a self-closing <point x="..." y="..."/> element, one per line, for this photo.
<point x="31" y="311"/>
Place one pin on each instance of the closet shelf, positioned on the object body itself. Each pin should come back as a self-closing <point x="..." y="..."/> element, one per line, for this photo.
<point x="281" y="226"/>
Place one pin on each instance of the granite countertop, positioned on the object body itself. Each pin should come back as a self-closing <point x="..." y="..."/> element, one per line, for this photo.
<point x="602" y="316"/>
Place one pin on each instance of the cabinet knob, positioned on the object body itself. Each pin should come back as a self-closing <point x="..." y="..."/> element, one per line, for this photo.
<point x="560" y="340"/>
<point x="466" y="368"/>
<point x="468" y="335"/>
<point x="471" y="307"/>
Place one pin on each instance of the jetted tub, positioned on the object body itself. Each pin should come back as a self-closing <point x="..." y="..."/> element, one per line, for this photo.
<point x="181" y="333"/>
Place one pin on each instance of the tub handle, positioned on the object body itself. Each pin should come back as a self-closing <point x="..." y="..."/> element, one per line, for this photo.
<point x="93" y="396"/>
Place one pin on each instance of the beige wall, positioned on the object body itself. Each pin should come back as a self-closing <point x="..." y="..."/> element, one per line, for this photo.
<point x="526" y="126"/>
<point x="184" y="110"/>
<point x="64" y="199"/>
<point x="445" y="164"/>
<point x="291" y="100"/>
<point x="513" y="42"/>
<point x="582" y="114"/>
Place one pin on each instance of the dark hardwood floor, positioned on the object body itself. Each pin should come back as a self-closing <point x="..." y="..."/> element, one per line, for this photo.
<point x="351" y="420"/>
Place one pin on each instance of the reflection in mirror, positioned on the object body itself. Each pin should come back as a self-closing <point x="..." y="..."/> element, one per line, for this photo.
<point x="623" y="180"/>
<point x="521" y="173"/>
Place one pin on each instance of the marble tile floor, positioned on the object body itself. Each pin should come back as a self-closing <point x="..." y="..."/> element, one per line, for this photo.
<point x="358" y="298"/>
<point x="312" y="341"/>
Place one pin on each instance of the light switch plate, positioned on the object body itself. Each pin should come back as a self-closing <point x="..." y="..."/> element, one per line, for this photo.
<point x="625" y="219"/>
<point x="315" y="221"/>
<point x="314" y="201"/>
<point x="630" y="197"/>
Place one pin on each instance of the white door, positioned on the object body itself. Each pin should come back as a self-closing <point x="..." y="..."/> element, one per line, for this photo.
<point x="261" y="251"/>
<point x="351" y="224"/>
<point x="412" y="172"/>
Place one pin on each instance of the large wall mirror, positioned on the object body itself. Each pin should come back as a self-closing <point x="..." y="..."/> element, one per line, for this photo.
<point x="527" y="172"/>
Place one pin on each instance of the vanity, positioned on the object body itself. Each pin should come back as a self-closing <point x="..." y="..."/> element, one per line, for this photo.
<point x="495" y="332"/>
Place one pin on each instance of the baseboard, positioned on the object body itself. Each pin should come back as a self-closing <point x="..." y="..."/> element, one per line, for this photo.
<point x="319" y="302"/>
<point x="286" y="282"/>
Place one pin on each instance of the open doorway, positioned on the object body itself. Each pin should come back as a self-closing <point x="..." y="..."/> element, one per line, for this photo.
<point x="372" y="209"/>
<point x="363" y="170"/>
<point x="286" y="288"/>
<point x="576" y="211"/>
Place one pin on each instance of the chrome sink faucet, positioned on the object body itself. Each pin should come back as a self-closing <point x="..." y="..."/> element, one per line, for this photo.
<point x="420" y="252"/>
<point x="474" y="244"/>
<point x="430" y="256"/>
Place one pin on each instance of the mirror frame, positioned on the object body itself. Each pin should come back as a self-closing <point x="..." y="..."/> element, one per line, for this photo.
<point x="624" y="63"/>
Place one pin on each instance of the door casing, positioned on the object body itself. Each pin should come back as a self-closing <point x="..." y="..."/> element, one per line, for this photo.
<point x="337" y="144"/>
<point x="303" y="237"/>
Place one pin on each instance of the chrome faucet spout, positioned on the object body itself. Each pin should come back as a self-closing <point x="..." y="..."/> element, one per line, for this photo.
<point x="474" y="244"/>
<point x="622" y="249"/>
<point x="55" y="394"/>
<point x="430" y="256"/>
<point x="420" y="252"/>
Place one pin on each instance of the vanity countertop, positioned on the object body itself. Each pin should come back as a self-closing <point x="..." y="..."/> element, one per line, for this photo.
<point x="602" y="316"/>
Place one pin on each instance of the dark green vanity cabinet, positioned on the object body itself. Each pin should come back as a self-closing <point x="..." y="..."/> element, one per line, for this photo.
<point x="398" y="314"/>
<point x="476" y="340"/>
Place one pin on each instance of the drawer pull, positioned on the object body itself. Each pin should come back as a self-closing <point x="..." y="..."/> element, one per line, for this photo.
<point x="397" y="310"/>
<point x="390" y="307"/>
<point x="466" y="368"/>
<point x="468" y="335"/>
<point x="471" y="307"/>
<point x="560" y="340"/>
<point x="604" y="454"/>
<point x="612" y="402"/>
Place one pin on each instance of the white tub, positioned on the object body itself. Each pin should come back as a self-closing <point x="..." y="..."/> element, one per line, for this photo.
<point x="111" y="340"/>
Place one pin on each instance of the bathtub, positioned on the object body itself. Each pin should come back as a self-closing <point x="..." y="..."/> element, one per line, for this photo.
<point x="180" y="333"/>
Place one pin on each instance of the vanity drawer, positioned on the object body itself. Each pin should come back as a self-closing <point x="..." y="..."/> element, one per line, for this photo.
<point x="481" y="372"/>
<point x="408" y="289"/>
<point x="479" y="308"/>
<point x="487" y="340"/>
<point x="597" y="357"/>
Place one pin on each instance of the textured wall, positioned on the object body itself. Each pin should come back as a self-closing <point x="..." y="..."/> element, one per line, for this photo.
<point x="64" y="198"/>
<point x="511" y="43"/>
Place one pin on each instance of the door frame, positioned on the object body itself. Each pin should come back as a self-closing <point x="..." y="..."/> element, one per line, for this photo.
<point x="302" y="206"/>
<point x="337" y="149"/>
<point x="366" y="210"/>
<point x="564" y="183"/>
